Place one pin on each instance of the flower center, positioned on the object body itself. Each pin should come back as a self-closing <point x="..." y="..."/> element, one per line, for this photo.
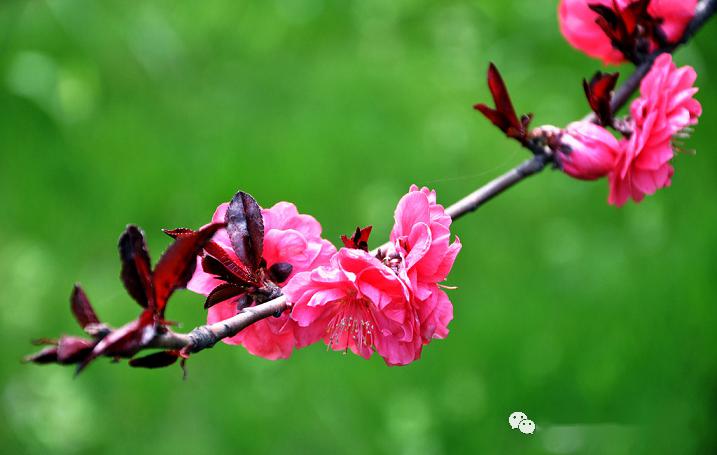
<point x="351" y="325"/>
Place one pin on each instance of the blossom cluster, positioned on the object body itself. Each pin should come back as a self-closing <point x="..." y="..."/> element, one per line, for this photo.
<point x="389" y="302"/>
<point x="639" y="163"/>
<point x="618" y="30"/>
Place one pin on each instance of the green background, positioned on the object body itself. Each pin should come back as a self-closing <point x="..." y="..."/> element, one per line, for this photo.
<point x="597" y="322"/>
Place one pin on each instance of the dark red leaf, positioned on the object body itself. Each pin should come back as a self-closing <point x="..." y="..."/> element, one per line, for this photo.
<point x="45" y="356"/>
<point x="611" y="17"/>
<point x="237" y="269"/>
<point x="599" y="94"/>
<point x="503" y="104"/>
<point x="245" y="227"/>
<point x="156" y="360"/>
<point x="630" y="29"/>
<point x="636" y="14"/>
<point x="174" y="233"/>
<point x="81" y="308"/>
<point x="359" y="239"/>
<point x="223" y="292"/>
<point x="177" y="264"/>
<point x="280" y="272"/>
<point x="136" y="267"/>
<point x="73" y="349"/>
<point x="212" y="266"/>
<point x="495" y="117"/>
<point x="503" y="116"/>
<point x="125" y="341"/>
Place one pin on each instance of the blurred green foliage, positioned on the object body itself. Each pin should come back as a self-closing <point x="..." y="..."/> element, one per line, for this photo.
<point x="597" y="322"/>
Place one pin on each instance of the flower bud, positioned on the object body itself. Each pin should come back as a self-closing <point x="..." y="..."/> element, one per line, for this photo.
<point x="593" y="151"/>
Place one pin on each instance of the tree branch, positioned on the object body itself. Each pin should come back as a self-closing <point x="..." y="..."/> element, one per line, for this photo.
<point x="206" y="336"/>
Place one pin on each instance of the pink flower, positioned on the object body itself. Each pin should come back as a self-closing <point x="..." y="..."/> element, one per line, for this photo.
<point x="577" y="23"/>
<point x="289" y="237"/>
<point x="390" y="303"/>
<point x="642" y="169"/>
<point x="593" y="151"/>
<point x="356" y="303"/>
<point x="665" y="107"/>
<point x="421" y="237"/>
<point x="667" y="98"/>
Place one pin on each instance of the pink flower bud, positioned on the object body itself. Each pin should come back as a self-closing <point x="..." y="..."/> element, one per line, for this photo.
<point x="592" y="151"/>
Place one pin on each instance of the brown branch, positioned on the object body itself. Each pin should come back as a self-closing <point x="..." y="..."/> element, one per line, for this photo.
<point x="206" y="336"/>
<point x="496" y="186"/>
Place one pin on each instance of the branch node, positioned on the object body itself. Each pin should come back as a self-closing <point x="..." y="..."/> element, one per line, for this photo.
<point x="201" y="338"/>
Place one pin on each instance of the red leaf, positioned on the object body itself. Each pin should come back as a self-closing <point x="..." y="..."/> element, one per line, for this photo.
<point x="359" y="240"/>
<point x="81" y="308"/>
<point x="611" y="17"/>
<point x="214" y="267"/>
<point x="45" y="356"/>
<point x="245" y="227"/>
<point x="73" y="349"/>
<point x="495" y="117"/>
<point x="223" y="292"/>
<point x="125" y="341"/>
<point x="156" y="360"/>
<point x="503" y="116"/>
<point x="599" y="93"/>
<point x="237" y="269"/>
<point x="636" y="14"/>
<point x="174" y="233"/>
<point x="630" y="29"/>
<point x="177" y="264"/>
<point x="501" y="97"/>
<point x="136" y="267"/>
<point x="68" y="350"/>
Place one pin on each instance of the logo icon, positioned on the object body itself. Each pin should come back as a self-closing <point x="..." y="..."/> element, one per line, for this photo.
<point x="515" y="419"/>
<point x="519" y="421"/>
<point x="527" y="426"/>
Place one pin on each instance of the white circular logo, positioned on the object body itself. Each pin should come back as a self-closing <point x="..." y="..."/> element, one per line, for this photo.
<point x="515" y="419"/>
<point x="526" y="426"/>
<point x="520" y="421"/>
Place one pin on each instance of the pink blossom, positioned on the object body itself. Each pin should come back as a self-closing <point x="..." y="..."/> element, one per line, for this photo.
<point x="356" y="303"/>
<point x="665" y="107"/>
<point x="289" y="237"/>
<point x="577" y="23"/>
<point x="667" y="98"/>
<point x="648" y="170"/>
<point x="593" y="151"/>
<point x="421" y="238"/>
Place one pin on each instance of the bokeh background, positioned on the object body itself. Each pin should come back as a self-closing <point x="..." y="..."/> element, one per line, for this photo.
<point x="597" y="322"/>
